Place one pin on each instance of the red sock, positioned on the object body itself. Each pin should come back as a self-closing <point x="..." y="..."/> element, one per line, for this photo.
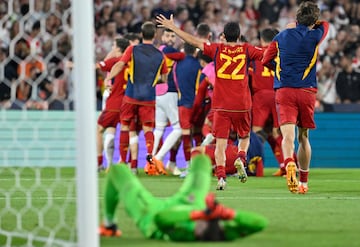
<point x="242" y="156"/>
<point x="173" y="153"/>
<point x="260" y="168"/>
<point x="198" y="139"/>
<point x="195" y="153"/>
<point x="275" y="145"/>
<point x="134" y="163"/>
<point x="100" y="160"/>
<point x="220" y="172"/>
<point x="149" y="140"/>
<point x="303" y="176"/>
<point x="287" y="161"/>
<point x="124" y="144"/>
<point x="187" y="146"/>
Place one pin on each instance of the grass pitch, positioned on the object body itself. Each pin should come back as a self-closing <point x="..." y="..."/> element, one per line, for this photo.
<point x="328" y="215"/>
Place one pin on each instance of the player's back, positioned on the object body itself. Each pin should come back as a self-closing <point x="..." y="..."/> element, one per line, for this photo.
<point x="298" y="48"/>
<point x="231" y="90"/>
<point x="144" y="70"/>
<point x="187" y="76"/>
<point x="262" y="78"/>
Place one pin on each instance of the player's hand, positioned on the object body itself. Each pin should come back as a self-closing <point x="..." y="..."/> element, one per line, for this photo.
<point x="164" y="22"/>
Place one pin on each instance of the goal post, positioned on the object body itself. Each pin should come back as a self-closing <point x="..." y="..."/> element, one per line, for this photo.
<point x="86" y="176"/>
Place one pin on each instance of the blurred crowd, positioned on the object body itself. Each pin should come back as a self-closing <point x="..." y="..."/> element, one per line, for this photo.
<point x="36" y="42"/>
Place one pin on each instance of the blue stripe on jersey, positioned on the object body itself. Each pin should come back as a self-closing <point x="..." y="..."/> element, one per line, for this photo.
<point x="144" y="70"/>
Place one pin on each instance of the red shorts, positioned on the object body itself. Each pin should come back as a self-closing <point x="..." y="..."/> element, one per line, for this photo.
<point x="142" y="113"/>
<point x="108" y="119"/>
<point x="264" y="109"/>
<point x="296" y="105"/>
<point x="225" y="121"/>
<point x="231" y="155"/>
<point x="185" y="115"/>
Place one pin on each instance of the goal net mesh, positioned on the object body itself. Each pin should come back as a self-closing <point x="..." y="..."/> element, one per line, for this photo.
<point x="37" y="169"/>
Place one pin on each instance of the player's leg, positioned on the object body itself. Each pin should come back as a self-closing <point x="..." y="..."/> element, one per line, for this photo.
<point x="304" y="157"/>
<point x="196" y="185"/>
<point x="220" y="159"/>
<point x="147" y="118"/>
<point x="160" y="121"/>
<point x="171" y="110"/>
<point x="207" y="132"/>
<point x="288" y="113"/>
<point x="221" y="129"/>
<point x="306" y="122"/>
<point x="122" y="185"/>
<point x="99" y="145"/>
<point x="134" y="150"/>
<point x="288" y="132"/>
<point x="109" y="144"/>
<point x="241" y="124"/>
<point x="127" y="115"/>
<point x="185" y="115"/>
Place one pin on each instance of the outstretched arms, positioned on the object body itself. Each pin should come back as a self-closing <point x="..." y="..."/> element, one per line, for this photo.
<point x="169" y="23"/>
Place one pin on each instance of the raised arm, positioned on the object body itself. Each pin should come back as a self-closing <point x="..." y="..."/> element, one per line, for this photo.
<point x="169" y="23"/>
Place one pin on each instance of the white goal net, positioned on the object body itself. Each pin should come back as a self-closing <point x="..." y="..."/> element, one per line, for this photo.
<point x="38" y="150"/>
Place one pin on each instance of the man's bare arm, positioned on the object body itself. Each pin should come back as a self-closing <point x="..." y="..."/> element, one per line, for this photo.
<point x="169" y="23"/>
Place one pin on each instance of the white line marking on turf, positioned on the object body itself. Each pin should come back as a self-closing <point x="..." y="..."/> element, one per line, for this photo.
<point x="295" y="197"/>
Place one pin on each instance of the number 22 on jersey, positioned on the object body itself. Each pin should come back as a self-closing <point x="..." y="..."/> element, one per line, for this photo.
<point x="235" y="74"/>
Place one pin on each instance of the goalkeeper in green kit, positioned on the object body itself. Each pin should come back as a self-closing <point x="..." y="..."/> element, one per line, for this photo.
<point x="191" y="214"/>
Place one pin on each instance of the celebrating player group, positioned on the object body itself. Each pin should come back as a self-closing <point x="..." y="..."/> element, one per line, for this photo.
<point x="230" y="97"/>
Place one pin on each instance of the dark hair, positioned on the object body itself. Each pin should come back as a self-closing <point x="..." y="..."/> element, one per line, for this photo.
<point x="268" y="34"/>
<point x="206" y="58"/>
<point x="148" y="30"/>
<point x="203" y="30"/>
<point x="189" y="49"/>
<point x="213" y="232"/>
<point x="168" y="30"/>
<point x="131" y="36"/>
<point x="122" y="43"/>
<point x="308" y="13"/>
<point x="232" y="31"/>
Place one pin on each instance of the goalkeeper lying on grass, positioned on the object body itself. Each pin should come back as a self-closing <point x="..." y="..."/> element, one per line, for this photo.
<point x="189" y="215"/>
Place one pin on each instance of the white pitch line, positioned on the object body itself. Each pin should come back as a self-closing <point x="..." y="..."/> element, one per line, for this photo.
<point x="294" y="197"/>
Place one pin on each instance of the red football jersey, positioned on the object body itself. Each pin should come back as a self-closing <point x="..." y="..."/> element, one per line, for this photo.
<point x="231" y="91"/>
<point x="118" y="89"/>
<point x="262" y="77"/>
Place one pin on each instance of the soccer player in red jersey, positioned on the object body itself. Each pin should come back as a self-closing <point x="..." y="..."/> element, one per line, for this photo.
<point x="232" y="98"/>
<point x="264" y="116"/>
<point x="294" y="51"/>
<point x="147" y="64"/>
<point x="110" y="115"/>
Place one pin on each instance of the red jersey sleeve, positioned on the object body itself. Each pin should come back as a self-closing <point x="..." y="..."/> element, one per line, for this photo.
<point x="127" y="54"/>
<point x="107" y="64"/>
<point x="210" y="49"/>
<point x="255" y="53"/>
<point x="269" y="54"/>
<point x="200" y="96"/>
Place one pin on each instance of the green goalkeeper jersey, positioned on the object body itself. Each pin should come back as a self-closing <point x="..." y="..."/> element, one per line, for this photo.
<point x="170" y="218"/>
